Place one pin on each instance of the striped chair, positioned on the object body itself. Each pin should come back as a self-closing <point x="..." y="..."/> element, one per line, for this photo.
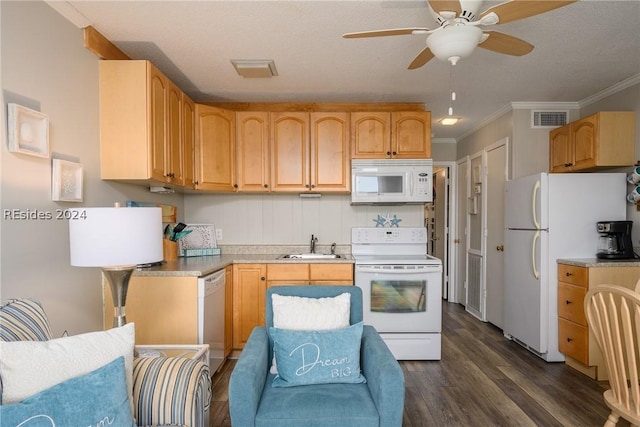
<point x="172" y="391"/>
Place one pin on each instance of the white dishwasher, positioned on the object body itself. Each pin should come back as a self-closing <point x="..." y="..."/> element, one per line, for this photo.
<point x="211" y="316"/>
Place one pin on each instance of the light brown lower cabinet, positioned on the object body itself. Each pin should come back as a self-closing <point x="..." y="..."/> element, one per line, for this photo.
<point x="165" y="309"/>
<point x="575" y="340"/>
<point x="250" y="282"/>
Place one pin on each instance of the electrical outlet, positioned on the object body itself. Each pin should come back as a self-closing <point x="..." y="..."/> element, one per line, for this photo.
<point x="218" y="233"/>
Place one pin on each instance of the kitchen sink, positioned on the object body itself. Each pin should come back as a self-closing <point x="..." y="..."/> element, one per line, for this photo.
<point x="310" y="256"/>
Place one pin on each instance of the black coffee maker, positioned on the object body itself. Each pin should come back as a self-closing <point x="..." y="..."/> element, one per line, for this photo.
<point x="615" y="240"/>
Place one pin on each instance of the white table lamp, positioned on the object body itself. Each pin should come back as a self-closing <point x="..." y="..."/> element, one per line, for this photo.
<point x="116" y="240"/>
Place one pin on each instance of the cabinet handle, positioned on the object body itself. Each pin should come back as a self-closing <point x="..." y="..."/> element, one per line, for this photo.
<point x="388" y="153"/>
<point x="263" y="278"/>
<point x="306" y="186"/>
<point x="569" y="339"/>
<point x="568" y="302"/>
<point x="235" y="185"/>
<point x="568" y="274"/>
<point x="266" y="186"/>
<point x="394" y="153"/>
<point x="313" y="186"/>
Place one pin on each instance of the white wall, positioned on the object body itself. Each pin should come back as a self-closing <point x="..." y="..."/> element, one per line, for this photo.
<point x="46" y="67"/>
<point x="283" y="219"/>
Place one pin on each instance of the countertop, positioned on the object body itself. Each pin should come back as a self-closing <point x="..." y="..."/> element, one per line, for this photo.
<point x="204" y="265"/>
<point x="599" y="263"/>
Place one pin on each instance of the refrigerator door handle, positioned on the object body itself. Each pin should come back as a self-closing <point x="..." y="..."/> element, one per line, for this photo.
<point x="536" y="273"/>
<point x="534" y="197"/>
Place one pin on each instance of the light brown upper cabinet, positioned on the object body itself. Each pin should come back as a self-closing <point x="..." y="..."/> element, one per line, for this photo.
<point x="399" y="135"/>
<point x="252" y="142"/>
<point x="140" y="124"/>
<point x="310" y="152"/>
<point x="602" y="140"/>
<point x="215" y="149"/>
<point x="188" y="140"/>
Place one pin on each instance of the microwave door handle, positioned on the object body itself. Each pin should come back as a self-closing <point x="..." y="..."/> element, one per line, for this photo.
<point x="411" y="183"/>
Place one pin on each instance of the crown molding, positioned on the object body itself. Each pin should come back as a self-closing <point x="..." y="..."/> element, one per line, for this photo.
<point x="622" y="85"/>
<point x="545" y="105"/>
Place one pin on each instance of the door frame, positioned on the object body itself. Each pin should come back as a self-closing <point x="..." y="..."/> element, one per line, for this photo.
<point x="450" y="228"/>
<point x="459" y="252"/>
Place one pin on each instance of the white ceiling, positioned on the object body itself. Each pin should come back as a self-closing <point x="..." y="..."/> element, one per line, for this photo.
<point x="580" y="49"/>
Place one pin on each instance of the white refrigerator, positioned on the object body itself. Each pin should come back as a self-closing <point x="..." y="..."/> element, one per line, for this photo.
<point x="550" y="216"/>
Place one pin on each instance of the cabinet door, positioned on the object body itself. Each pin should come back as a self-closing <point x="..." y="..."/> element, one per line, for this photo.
<point x="411" y="135"/>
<point x="188" y="141"/>
<point x="253" y="151"/>
<point x="249" y="287"/>
<point x="215" y="148"/>
<point x="228" y="310"/>
<point x="157" y="117"/>
<point x="174" y="170"/>
<point x="290" y="152"/>
<point x="583" y="134"/>
<point x="164" y="309"/>
<point x="330" y="152"/>
<point x="371" y="137"/>
<point x="560" y="150"/>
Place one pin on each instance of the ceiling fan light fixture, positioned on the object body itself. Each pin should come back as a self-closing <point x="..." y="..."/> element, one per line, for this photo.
<point x="454" y="41"/>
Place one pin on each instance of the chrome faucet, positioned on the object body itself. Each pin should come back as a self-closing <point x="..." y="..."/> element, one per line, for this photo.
<point x="312" y="247"/>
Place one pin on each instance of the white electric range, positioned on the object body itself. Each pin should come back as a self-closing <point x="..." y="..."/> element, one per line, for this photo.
<point x="402" y="289"/>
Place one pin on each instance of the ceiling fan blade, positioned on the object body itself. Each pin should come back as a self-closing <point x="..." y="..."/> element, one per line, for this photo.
<point x="446" y="5"/>
<point x="504" y="43"/>
<point x="423" y="57"/>
<point x="383" y="33"/>
<point x="519" y="9"/>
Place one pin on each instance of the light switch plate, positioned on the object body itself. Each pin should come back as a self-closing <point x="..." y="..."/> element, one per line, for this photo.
<point x="218" y="234"/>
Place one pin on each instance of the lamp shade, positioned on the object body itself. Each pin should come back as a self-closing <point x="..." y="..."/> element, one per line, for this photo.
<point x="112" y="237"/>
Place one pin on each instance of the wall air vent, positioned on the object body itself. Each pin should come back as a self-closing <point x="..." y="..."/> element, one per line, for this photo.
<point x="548" y="119"/>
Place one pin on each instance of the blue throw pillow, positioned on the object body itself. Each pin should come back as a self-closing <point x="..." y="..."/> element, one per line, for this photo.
<point x="97" y="398"/>
<point x="317" y="357"/>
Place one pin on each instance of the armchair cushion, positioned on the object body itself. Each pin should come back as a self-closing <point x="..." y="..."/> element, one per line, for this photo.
<point x="97" y="398"/>
<point x="317" y="357"/>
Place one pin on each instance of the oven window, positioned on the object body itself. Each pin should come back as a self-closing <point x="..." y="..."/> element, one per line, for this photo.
<point x="398" y="296"/>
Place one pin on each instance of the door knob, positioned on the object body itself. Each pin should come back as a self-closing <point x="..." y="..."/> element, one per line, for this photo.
<point x="456" y="241"/>
<point x="500" y="248"/>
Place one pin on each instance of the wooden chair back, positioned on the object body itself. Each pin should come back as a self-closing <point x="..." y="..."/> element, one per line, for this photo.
<point x="613" y="314"/>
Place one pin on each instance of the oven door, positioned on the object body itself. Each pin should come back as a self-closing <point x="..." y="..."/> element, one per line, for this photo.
<point x="401" y="298"/>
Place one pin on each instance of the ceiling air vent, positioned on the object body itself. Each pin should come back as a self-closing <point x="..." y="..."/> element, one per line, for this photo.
<point x="548" y="119"/>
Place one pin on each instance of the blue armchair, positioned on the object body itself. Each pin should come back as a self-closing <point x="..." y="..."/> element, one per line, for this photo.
<point x="253" y="401"/>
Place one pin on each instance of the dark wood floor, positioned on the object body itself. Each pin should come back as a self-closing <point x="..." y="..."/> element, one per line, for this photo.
<point x="483" y="379"/>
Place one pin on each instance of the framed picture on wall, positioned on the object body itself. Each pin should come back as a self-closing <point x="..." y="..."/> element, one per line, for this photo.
<point x="28" y="131"/>
<point x="66" y="181"/>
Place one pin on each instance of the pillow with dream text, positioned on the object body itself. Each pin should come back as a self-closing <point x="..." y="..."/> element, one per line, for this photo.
<point x="312" y="314"/>
<point x="29" y="367"/>
<point x="97" y="398"/>
<point x="317" y="357"/>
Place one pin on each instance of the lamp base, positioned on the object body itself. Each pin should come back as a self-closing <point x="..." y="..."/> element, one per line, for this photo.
<point x="118" y="278"/>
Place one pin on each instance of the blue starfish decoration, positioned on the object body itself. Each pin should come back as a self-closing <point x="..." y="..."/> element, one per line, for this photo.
<point x="379" y="221"/>
<point x="395" y="221"/>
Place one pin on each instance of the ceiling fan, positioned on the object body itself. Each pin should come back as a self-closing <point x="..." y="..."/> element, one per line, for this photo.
<point x="458" y="33"/>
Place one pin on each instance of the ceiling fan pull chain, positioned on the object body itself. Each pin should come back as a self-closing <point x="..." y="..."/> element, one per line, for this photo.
<point x="451" y="91"/>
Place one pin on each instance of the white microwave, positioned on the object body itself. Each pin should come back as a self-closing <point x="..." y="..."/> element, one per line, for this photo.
<point x="391" y="181"/>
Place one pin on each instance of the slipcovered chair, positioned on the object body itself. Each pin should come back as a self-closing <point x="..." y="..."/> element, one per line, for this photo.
<point x="167" y="391"/>
<point x="255" y="400"/>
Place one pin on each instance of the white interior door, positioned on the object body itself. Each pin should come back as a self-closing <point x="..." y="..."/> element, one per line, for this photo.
<point x="460" y="240"/>
<point x="494" y="257"/>
<point x="440" y="238"/>
<point x="475" y="245"/>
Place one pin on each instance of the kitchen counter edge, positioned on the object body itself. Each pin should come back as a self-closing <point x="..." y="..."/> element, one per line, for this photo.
<point x="205" y="265"/>
<point x="599" y="263"/>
